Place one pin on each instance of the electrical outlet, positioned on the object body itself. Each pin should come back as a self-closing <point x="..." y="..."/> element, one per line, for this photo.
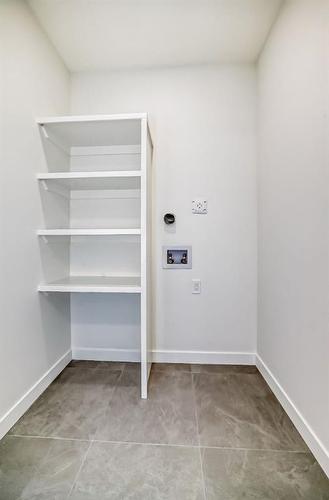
<point x="199" y="206"/>
<point x="196" y="286"/>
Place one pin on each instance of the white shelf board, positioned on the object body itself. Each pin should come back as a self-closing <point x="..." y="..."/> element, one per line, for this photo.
<point x="88" y="232"/>
<point x="94" y="130"/>
<point x="94" y="284"/>
<point x="89" y="118"/>
<point x="124" y="179"/>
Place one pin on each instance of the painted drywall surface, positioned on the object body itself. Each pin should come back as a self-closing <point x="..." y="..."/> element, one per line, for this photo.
<point x="203" y="124"/>
<point x="293" y="336"/>
<point x="35" y="330"/>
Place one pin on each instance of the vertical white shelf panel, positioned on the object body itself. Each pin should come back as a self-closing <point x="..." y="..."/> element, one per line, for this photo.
<point x="98" y="162"/>
<point x="146" y="256"/>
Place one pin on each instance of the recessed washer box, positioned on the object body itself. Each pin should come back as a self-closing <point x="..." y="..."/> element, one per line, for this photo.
<point x="177" y="257"/>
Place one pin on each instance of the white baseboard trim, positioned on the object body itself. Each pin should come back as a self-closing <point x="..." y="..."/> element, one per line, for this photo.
<point x="204" y="357"/>
<point x="165" y="356"/>
<point x="313" y="442"/>
<point x="24" y="403"/>
<point x="104" y="354"/>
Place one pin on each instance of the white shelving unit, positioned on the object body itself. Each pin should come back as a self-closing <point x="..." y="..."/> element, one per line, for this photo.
<point x="96" y="197"/>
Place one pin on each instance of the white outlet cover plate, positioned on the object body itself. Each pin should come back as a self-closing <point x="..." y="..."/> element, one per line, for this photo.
<point x="200" y="206"/>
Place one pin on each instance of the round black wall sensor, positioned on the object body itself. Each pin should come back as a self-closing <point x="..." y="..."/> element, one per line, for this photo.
<point x="169" y="218"/>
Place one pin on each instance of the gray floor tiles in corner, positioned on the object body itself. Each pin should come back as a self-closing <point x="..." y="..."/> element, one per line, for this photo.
<point x="224" y="369"/>
<point x="166" y="417"/>
<point x="97" y="365"/>
<point x="139" y="472"/>
<point x="240" y="411"/>
<point x="39" y="469"/>
<point x="72" y="406"/>
<point x="171" y="367"/>
<point x="263" y="475"/>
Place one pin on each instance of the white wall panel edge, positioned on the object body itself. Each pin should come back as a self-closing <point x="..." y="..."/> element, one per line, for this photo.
<point x="165" y="356"/>
<point x="24" y="403"/>
<point x="313" y="442"/>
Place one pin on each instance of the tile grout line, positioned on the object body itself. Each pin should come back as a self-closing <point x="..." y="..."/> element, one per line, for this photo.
<point x="79" y="470"/>
<point x="173" y="445"/>
<point x="198" y="436"/>
<point x="57" y="438"/>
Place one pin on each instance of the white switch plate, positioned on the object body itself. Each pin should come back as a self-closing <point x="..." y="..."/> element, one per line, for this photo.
<point x="196" y="286"/>
<point x="199" y="206"/>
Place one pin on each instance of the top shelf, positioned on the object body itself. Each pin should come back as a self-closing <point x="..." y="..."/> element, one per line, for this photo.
<point x="93" y="130"/>
<point x="90" y="118"/>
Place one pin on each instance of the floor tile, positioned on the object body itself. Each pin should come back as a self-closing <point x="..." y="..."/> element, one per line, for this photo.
<point x="234" y="408"/>
<point x="139" y="472"/>
<point x="38" y="469"/>
<point x="167" y="416"/>
<point x="253" y="475"/>
<point x="224" y="369"/>
<point x="72" y="406"/>
<point x="171" y="367"/>
<point x="98" y="365"/>
<point x="240" y="411"/>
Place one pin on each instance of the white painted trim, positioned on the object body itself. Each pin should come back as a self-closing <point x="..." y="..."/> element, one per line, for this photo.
<point x="164" y="356"/>
<point x="24" y="403"/>
<point x="145" y="327"/>
<point x="103" y="354"/>
<point x="204" y="357"/>
<point x="88" y="175"/>
<point x="313" y="442"/>
<point x="89" y="118"/>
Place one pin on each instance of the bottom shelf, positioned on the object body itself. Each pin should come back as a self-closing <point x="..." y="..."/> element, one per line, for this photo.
<point x="94" y="284"/>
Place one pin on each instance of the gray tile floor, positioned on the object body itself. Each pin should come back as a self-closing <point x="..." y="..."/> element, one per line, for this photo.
<point x="206" y="432"/>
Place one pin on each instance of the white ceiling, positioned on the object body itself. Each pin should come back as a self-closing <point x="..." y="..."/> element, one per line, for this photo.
<point x="112" y="34"/>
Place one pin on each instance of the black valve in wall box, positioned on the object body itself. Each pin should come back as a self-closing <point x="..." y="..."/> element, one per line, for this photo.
<point x="169" y="218"/>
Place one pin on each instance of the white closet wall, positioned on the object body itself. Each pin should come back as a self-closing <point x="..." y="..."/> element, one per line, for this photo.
<point x="203" y="122"/>
<point x="35" y="332"/>
<point x="293" y="331"/>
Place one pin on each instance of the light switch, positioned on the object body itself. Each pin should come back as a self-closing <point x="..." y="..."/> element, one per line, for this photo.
<point x="200" y="206"/>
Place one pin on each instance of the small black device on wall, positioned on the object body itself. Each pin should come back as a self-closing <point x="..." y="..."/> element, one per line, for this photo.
<point x="169" y="218"/>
